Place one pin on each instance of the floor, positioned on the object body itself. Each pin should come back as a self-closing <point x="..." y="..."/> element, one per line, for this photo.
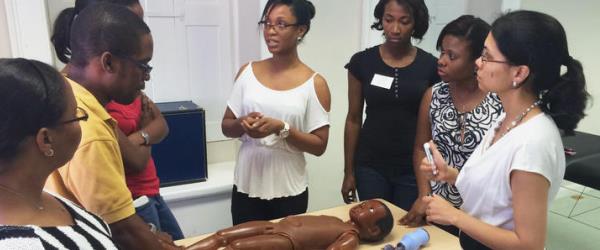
<point x="574" y="218"/>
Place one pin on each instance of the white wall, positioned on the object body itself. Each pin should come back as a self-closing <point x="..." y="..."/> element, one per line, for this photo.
<point x="333" y="38"/>
<point x="4" y="39"/>
<point x="580" y="20"/>
<point x="28" y="29"/>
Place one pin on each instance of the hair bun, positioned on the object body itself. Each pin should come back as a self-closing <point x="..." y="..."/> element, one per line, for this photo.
<point x="311" y="9"/>
<point x="567" y="61"/>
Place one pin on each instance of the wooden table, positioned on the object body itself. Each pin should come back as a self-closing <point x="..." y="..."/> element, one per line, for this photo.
<point x="439" y="239"/>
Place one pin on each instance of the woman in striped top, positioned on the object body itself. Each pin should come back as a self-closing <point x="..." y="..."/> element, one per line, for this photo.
<point x="39" y="132"/>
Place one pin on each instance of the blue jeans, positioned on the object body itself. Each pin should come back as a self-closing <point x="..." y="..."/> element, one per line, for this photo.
<point x="158" y="213"/>
<point x="401" y="191"/>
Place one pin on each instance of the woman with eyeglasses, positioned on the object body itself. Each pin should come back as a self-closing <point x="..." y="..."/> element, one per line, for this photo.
<point x="454" y="113"/>
<point x="391" y="78"/>
<point x="39" y="132"/>
<point x="279" y="108"/>
<point x="510" y="178"/>
<point x="140" y="122"/>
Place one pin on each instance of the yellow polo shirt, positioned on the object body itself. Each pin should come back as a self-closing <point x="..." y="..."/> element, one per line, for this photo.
<point x="95" y="177"/>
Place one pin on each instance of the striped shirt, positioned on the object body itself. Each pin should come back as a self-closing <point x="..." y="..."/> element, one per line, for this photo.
<point x="88" y="232"/>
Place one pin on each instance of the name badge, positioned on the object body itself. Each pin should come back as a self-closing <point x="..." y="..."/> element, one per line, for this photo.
<point x="382" y="81"/>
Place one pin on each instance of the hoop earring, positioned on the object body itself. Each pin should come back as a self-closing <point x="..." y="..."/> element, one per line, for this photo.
<point x="299" y="39"/>
<point x="49" y="153"/>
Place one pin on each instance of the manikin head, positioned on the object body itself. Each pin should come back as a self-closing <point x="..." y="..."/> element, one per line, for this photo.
<point x="373" y="219"/>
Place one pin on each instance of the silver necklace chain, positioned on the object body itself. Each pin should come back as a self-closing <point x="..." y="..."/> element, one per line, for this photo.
<point x="518" y="119"/>
<point x="38" y="206"/>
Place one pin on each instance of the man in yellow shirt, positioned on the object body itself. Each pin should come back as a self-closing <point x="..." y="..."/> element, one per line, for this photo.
<point x="110" y="48"/>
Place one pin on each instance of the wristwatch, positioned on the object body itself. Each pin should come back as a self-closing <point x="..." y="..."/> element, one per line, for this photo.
<point x="285" y="132"/>
<point x="146" y="137"/>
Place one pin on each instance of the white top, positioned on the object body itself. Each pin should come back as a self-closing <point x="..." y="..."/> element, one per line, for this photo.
<point x="269" y="167"/>
<point x="484" y="183"/>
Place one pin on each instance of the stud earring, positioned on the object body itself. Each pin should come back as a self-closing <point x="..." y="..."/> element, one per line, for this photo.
<point x="49" y="153"/>
<point x="514" y="84"/>
<point x="299" y="38"/>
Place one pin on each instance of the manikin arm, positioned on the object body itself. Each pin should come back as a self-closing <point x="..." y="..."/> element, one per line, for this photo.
<point x="224" y="237"/>
<point x="346" y="241"/>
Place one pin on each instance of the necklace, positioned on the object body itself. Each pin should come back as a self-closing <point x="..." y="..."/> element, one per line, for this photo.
<point x="518" y="119"/>
<point x="37" y="205"/>
<point x="461" y="120"/>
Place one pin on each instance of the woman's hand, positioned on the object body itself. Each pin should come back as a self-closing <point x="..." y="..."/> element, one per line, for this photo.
<point x="440" y="211"/>
<point x="443" y="172"/>
<point x="349" y="188"/>
<point x="416" y="215"/>
<point x="260" y="127"/>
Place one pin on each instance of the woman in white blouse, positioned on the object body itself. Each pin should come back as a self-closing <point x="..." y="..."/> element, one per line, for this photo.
<point x="515" y="172"/>
<point x="279" y="108"/>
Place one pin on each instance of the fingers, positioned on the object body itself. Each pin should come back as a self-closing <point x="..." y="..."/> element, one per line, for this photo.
<point x="349" y="196"/>
<point x="437" y="156"/>
<point x="404" y="220"/>
<point x="346" y="197"/>
<point x="255" y="115"/>
<point x="257" y="124"/>
<point x="407" y="218"/>
<point x="426" y="169"/>
<point x="245" y="125"/>
<point x="412" y="219"/>
<point x="145" y="105"/>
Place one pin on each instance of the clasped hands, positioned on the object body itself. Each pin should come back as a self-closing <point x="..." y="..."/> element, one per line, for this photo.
<point x="256" y="125"/>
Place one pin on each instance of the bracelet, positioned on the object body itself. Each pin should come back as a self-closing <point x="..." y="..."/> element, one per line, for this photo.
<point x="146" y="137"/>
<point x="153" y="228"/>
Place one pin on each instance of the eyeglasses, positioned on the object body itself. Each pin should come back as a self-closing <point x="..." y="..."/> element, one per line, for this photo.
<point x="146" y="69"/>
<point x="81" y="115"/>
<point x="484" y="59"/>
<point x="279" y="26"/>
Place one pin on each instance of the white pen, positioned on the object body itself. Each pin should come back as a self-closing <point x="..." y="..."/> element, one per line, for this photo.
<point x="429" y="155"/>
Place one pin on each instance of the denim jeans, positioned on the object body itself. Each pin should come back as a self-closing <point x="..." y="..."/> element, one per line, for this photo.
<point x="401" y="190"/>
<point x="158" y="213"/>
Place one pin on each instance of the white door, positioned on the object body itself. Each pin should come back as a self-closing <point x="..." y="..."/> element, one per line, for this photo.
<point x="193" y="57"/>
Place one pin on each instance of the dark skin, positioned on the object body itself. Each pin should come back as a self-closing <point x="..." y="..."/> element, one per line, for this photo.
<point x="99" y="77"/>
<point x="24" y="176"/>
<point x="283" y="71"/>
<point x="308" y="232"/>
<point x="108" y="78"/>
<point x="455" y="66"/>
<point x="135" y="153"/>
<point x="397" y="51"/>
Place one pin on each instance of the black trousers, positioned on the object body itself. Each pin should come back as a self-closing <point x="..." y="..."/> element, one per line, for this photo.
<point x="448" y="228"/>
<point x="244" y="208"/>
<point x="468" y="243"/>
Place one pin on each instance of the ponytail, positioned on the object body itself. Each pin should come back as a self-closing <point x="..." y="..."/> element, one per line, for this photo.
<point x="567" y="99"/>
<point x="62" y="34"/>
<point x="564" y="97"/>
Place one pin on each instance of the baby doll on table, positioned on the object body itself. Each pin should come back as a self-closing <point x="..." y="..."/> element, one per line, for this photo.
<point x="369" y="221"/>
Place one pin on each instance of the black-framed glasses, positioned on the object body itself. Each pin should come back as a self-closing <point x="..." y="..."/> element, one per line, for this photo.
<point x="80" y="115"/>
<point x="279" y="26"/>
<point x="144" y="66"/>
